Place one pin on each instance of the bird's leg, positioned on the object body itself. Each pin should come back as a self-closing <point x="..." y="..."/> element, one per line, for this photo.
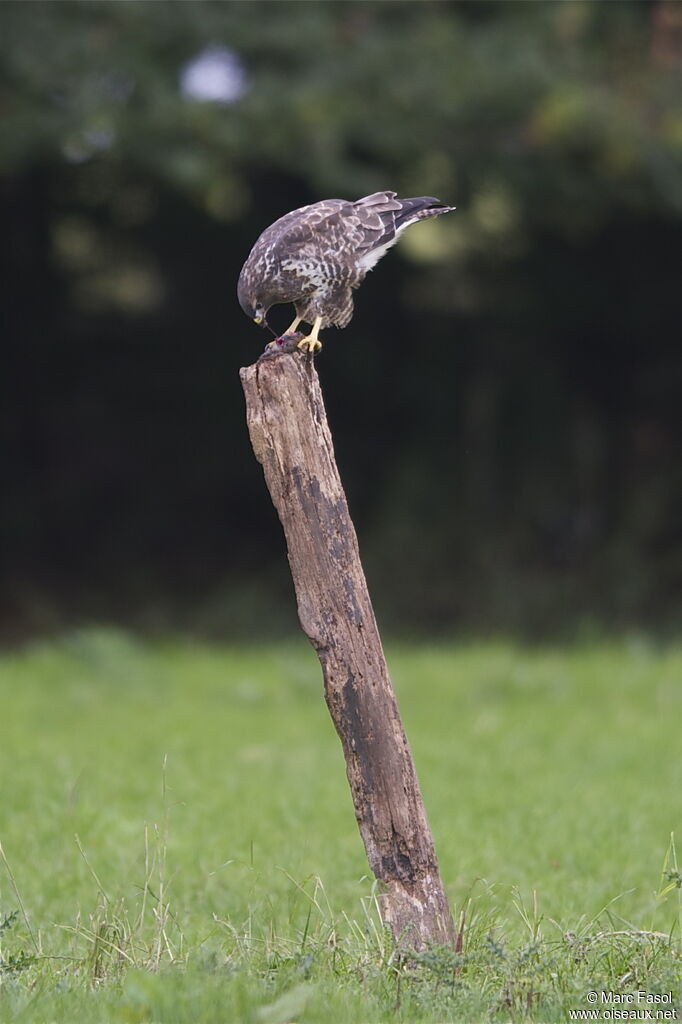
<point x="291" y="329"/>
<point x="312" y="343"/>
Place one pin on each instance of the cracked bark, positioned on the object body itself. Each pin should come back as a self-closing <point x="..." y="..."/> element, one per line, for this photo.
<point x="291" y="439"/>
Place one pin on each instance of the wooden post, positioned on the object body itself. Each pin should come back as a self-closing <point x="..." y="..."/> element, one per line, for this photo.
<point x="291" y="439"/>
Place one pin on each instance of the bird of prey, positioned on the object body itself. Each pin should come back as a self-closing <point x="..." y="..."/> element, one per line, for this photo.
<point x="315" y="257"/>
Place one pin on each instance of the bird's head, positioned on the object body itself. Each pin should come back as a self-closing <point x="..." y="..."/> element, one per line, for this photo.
<point x="252" y="303"/>
<point x="255" y="310"/>
<point x="259" y="315"/>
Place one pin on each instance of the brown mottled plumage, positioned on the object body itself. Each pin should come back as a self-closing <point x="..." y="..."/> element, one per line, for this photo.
<point x="315" y="257"/>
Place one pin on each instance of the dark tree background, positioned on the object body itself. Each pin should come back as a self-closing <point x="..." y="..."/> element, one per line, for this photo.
<point x="506" y="401"/>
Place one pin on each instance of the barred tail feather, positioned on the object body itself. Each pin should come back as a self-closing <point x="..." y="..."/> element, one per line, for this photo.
<point x="391" y="217"/>
<point x="413" y="210"/>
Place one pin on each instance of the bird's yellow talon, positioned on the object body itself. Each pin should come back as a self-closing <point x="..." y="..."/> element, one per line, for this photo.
<point x="309" y="345"/>
<point x="312" y="343"/>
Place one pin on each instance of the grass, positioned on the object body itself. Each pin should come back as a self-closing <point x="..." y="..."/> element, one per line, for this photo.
<point x="179" y="845"/>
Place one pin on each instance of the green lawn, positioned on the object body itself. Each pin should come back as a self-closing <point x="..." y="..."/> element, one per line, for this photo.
<point x="179" y="844"/>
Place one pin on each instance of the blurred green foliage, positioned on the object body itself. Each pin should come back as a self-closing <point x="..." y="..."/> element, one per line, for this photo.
<point x="541" y="105"/>
<point x="505" y="402"/>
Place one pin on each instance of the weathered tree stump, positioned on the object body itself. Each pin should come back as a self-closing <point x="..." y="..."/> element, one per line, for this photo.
<point x="291" y="439"/>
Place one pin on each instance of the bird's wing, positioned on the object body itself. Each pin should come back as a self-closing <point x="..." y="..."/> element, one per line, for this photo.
<point x="341" y="231"/>
<point x="339" y="236"/>
<point x="299" y="226"/>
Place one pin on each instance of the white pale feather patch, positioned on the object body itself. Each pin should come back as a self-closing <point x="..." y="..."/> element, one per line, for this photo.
<point x="303" y="265"/>
<point x="307" y="268"/>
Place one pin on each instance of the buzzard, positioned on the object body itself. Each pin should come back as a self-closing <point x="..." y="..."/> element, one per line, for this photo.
<point x="315" y="257"/>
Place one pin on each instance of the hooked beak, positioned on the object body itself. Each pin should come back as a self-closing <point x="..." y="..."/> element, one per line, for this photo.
<point x="258" y="319"/>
